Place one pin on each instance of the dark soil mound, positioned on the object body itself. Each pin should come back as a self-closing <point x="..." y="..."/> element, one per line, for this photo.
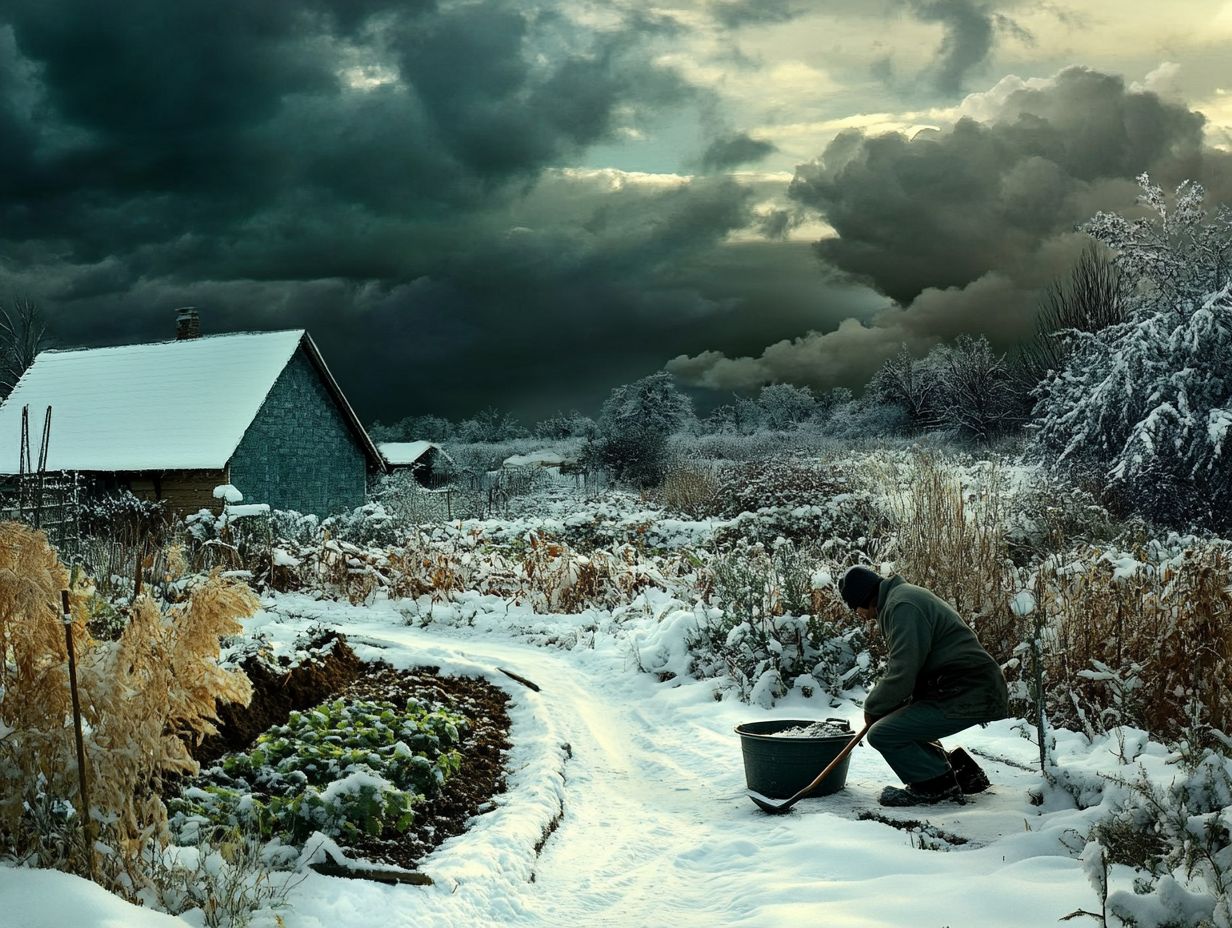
<point x="278" y="690"/>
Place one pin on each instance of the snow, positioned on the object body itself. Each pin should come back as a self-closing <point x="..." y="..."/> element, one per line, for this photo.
<point x="180" y="405"/>
<point x="49" y="899"/>
<point x="228" y="493"/>
<point x="403" y="453"/>
<point x="637" y="783"/>
<point x="656" y="826"/>
<point x="540" y="458"/>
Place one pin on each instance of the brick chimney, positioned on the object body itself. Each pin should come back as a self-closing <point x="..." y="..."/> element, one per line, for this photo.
<point x="187" y="323"/>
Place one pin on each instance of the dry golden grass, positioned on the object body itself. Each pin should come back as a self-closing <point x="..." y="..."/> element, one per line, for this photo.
<point x="691" y="489"/>
<point x="143" y="697"/>
<point x="952" y="540"/>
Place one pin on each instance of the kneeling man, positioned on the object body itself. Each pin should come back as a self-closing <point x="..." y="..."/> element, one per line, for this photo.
<point x="938" y="680"/>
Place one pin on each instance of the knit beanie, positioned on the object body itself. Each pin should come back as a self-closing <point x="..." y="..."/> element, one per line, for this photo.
<point x="858" y="586"/>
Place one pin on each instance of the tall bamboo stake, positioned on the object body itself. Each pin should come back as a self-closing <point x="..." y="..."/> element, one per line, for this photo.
<point x="66" y="611"/>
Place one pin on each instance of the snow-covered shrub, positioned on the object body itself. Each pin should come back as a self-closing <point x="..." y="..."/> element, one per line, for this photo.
<point x="1179" y="840"/>
<point x="1148" y="401"/>
<point x="344" y="769"/>
<point x="912" y="384"/>
<point x="369" y="524"/>
<point x="781" y="482"/>
<point x="977" y="395"/>
<point x="844" y="522"/>
<point x="1050" y="512"/>
<point x="634" y="426"/>
<point x="864" y="419"/>
<point x="229" y="876"/>
<point x="771" y="629"/>
<point x="120" y="512"/>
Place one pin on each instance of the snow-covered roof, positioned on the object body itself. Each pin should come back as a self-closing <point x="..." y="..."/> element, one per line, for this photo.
<point x="540" y="458"/>
<point x="403" y="453"/>
<point x="177" y="405"/>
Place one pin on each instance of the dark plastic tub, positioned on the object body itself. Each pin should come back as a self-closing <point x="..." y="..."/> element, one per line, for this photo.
<point x="781" y="767"/>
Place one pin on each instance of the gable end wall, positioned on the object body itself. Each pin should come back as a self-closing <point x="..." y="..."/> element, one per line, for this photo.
<point x="299" y="452"/>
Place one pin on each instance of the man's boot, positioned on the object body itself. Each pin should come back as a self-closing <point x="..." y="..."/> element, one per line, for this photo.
<point x="970" y="777"/>
<point x="925" y="793"/>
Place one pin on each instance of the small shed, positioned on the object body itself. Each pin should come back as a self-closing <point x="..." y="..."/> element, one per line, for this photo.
<point x="171" y="421"/>
<point x="418" y="458"/>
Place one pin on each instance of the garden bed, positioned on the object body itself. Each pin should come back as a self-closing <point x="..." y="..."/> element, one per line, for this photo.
<point x="329" y="676"/>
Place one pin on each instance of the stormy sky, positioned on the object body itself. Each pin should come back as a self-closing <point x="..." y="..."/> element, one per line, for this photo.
<point x="523" y="204"/>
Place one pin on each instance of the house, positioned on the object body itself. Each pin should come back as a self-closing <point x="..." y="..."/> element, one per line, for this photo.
<point x="416" y="457"/>
<point x="173" y="420"/>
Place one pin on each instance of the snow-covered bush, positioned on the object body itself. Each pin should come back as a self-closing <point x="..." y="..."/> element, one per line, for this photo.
<point x="776" y="624"/>
<point x="228" y="875"/>
<point x="344" y="769"/>
<point x="369" y="524"/>
<point x="779" y="482"/>
<point x="1148" y="401"/>
<point x="1178" y="838"/>
<point x="634" y="425"/>
<point x="977" y="394"/>
<point x="912" y="384"/>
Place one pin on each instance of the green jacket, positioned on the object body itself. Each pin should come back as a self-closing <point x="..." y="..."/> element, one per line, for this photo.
<point x="934" y="657"/>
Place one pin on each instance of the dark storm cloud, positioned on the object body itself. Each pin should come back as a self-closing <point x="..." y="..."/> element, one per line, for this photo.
<point x="961" y="227"/>
<point x="968" y="38"/>
<point x="383" y="173"/>
<point x="196" y="115"/>
<point x="731" y="151"/>
<point x="736" y="13"/>
<point x="941" y="209"/>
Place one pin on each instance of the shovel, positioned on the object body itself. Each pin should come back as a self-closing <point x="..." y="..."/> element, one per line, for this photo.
<point x="781" y="807"/>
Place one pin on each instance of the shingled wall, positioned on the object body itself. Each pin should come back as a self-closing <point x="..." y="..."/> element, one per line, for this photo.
<point x="299" y="452"/>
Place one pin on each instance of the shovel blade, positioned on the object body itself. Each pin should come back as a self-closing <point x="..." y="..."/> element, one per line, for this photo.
<point x="771" y="808"/>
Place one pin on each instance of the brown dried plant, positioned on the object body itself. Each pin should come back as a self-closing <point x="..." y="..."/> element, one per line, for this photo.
<point x="144" y="697"/>
<point x="1164" y="631"/>
<point x="952" y="540"/>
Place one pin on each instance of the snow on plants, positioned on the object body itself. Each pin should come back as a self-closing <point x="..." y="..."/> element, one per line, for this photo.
<point x="342" y="769"/>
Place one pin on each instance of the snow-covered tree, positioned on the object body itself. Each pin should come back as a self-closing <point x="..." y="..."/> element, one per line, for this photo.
<point x="566" y="425"/>
<point x="652" y="404"/>
<point x="491" y="426"/>
<point x="785" y="406"/>
<point x="635" y="423"/>
<point x="912" y="384"/>
<point x="1148" y="401"/>
<point x="976" y="393"/>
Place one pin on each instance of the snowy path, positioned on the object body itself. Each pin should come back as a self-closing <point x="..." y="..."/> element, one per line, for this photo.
<point x="656" y="828"/>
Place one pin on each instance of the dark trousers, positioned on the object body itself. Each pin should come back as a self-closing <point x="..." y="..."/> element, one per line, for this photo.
<point x="908" y="739"/>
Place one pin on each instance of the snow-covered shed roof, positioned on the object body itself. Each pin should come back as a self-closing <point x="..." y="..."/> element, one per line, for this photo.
<point x="176" y="405"/>
<point x="535" y="458"/>
<point x="404" y="453"/>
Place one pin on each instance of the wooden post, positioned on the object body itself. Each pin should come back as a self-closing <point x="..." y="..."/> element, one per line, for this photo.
<point x="88" y="831"/>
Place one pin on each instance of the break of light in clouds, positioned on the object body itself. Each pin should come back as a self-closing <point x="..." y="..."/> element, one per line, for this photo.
<point x="526" y="203"/>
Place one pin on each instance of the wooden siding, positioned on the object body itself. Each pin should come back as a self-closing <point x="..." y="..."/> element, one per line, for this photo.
<point x="184" y="491"/>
